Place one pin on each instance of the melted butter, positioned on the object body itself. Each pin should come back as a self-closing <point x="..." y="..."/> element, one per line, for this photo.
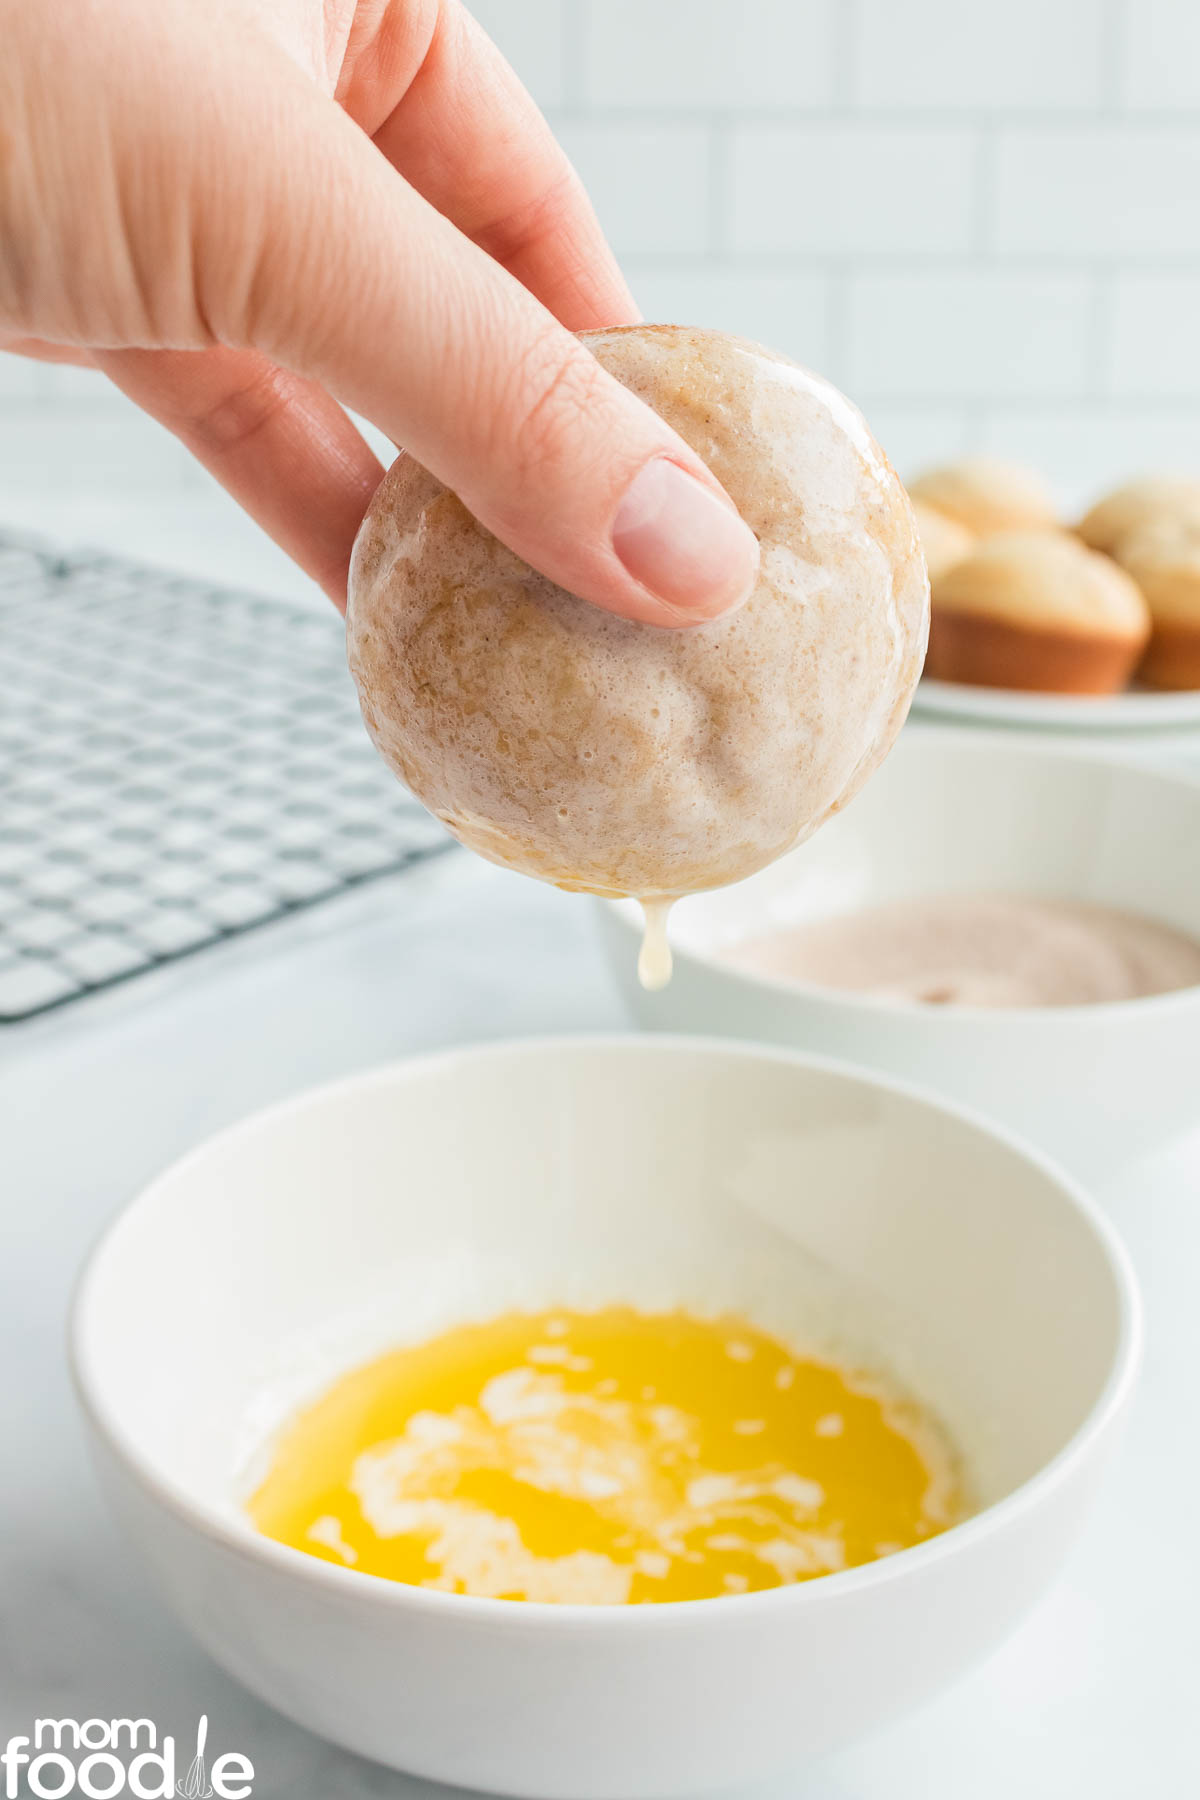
<point x="654" y="959"/>
<point x="605" y="1458"/>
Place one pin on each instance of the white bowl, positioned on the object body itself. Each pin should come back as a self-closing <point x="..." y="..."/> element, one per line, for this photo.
<point x="968" y="811"/>
<point x="1137" y="711"/>
<point x="826" y="1205"/>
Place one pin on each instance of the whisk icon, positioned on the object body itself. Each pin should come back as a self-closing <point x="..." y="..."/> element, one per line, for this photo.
<point x="194" y="1785"/>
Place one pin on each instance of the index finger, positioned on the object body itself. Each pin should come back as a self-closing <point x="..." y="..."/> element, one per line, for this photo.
<point x="470" y="139"/>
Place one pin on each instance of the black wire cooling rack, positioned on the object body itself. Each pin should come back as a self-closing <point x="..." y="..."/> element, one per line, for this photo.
<point x="179" y="763"/>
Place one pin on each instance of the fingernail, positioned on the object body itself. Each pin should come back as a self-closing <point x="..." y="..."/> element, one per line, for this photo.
<point x="683" y="543"/>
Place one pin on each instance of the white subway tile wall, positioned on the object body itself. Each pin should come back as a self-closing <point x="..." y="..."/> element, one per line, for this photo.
<point x="849" y="189"/>
<point x="1160" y="55"/>
<point x="965" y="336"/>
<point x="650" y="183"/>
<point x="1118" y="195"/>
<point x="982" y="221"/>
<point x="954" y="55"/>
<point x="708" y="54"/>
<point x="1156" y="337"/>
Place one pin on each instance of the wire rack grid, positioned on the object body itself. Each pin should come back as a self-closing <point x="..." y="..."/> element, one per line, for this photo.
<point x="179" y="763"/>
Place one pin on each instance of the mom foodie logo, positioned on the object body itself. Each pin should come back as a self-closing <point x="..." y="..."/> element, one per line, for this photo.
<point x="102" y="1757"/>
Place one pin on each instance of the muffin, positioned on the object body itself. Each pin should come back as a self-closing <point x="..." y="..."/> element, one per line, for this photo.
<point x="944" y="541"/>
<point x="622" y="758"/>
<point x="1035" y="610"/>
<point x="988" y="496"/>
<point x="1138" y="503"/>
<point x="1163" y="558"/>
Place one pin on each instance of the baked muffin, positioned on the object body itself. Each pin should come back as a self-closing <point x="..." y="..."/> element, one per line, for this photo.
<point x="1138" y="503"/>
<point x="988" y="496"/>
<point x="621" y="758"/>
<point x="1036" y="610"/>
<point x="1163" y="557"/>
<point x="944" y="541"/>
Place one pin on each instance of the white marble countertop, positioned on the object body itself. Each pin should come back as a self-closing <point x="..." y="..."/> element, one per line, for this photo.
<point x="1094" y="1697"/>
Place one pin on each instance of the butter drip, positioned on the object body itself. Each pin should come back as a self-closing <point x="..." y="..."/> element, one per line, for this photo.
<point x="654" y="959"/>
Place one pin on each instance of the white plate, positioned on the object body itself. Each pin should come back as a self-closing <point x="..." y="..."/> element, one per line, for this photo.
<point x="1132" y="711"/>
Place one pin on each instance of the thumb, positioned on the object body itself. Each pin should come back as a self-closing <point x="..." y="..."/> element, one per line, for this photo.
<point x="364" y="286"/>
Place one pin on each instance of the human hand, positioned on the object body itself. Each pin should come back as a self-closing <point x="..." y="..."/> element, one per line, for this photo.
<point x="248" y="213"/>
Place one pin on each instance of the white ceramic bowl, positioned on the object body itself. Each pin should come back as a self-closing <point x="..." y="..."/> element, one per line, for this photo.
<point x="967" y="811"/>
<point x="829" y="1206"/>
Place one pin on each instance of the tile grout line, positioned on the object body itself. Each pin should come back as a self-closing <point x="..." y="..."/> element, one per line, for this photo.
<point x="845" y="54"/>
<point x="1113" y="22"/>
<point x="934" y="264"/>
<point x="1059" y="121"/>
